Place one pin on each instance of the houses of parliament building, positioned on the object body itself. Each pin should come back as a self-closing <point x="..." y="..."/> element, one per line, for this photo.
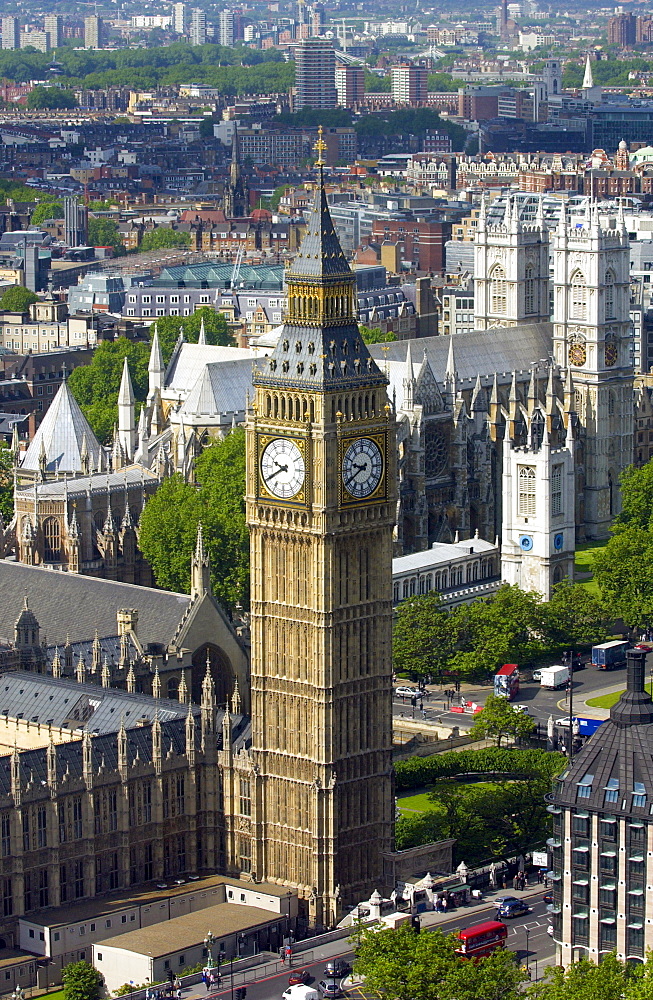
<point x="520" y="429"/>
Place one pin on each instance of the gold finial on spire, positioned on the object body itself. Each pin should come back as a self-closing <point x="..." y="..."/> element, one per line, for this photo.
<point x="319" y="147"/>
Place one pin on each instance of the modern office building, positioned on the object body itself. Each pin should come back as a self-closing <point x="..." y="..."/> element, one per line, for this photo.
<point x="180" y="18"/>
<point x="93" y="32"/>
<point x="226" y="27"/>
<point x="76" y="221"/>
<point x="198" y="27"/>
<point x="315" y="66"/>
<point x="409" y="84"/>
<point x="53" y="26"/>
<point x="350" y="85"/>
<point x="10" y="33"/>
<point x="602" y="835"/>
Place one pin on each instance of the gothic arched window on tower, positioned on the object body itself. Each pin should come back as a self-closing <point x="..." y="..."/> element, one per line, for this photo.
<point x="529" y="291"/>
<point x="609" y="295"/>
<point x="52" y="538"/>
<point x="498" y="290"/>
<point x="526" y="495"/>
<point x="578" y="296"/>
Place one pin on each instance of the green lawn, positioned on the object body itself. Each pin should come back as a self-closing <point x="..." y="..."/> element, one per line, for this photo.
<point x="58" y="995"/>
<point x="584" y="565"/>
<point x="608" y="700"/>
<point x="420" y="802"/>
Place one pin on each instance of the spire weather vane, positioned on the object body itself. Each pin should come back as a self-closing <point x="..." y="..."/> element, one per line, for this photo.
<point x="320" y="147"/>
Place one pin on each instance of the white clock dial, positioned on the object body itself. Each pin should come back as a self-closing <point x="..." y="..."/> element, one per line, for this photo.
<point x="362" y="467"/>
<point x="282" y="468"/>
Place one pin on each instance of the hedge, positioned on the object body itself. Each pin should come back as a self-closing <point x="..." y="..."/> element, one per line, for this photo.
<point x="418" y="772"/>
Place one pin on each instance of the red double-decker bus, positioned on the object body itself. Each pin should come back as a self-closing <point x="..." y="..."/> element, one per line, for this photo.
<point x="482" y="939"/>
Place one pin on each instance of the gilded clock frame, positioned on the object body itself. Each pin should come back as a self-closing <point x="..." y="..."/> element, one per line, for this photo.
<point x="301" y="498"/>
<point x="380" y="494"/>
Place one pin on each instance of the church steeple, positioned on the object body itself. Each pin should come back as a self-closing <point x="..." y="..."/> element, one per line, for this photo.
<point x="320" y="347"/>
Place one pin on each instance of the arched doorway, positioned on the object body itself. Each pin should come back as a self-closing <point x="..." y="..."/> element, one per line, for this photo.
<point x="221" y="671"/>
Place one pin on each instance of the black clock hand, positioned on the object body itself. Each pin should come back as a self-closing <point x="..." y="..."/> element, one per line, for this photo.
<point x="282" y="468"/>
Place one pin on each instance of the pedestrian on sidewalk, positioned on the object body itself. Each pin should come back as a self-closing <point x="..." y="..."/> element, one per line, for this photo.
<point x="282" y="956"/>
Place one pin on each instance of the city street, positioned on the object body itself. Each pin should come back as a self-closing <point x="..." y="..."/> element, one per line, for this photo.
<point x="540" y="702"/>
<point x="527" y="937"/>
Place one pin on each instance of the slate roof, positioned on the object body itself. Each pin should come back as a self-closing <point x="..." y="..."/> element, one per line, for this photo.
<point x="189" y="362"/>
<point x="104" y="751"/>
<point x="220" y="389"/>
<point x="69" y="605"/>
<point x="320" y="254"/>
<point x="619" y="756"/>
<point x="65" y="702"/>
<point x="481" y="352"/>
<point x="62" y="433"/>
<point x="131" y="477"/>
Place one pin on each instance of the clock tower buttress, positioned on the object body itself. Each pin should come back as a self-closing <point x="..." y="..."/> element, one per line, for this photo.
<point x="321" y="497"/>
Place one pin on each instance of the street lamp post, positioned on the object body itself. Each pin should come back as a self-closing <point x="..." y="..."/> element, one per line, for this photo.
<point x="527" y="951"/>
<point x="209" y="941"/>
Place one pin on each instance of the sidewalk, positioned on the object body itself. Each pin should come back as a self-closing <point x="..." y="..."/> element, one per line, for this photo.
<point x="307" y="952"/>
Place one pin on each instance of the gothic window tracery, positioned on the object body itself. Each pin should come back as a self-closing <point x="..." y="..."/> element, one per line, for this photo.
<point x="498" y="290"/>
<point x="435" y="450"/>
<point x="609" y="295"/>
<point x="52" y="539"/>
<point x="578" y="296"/>
<point x="526" y="499"/>
<point x="529" y="291"/>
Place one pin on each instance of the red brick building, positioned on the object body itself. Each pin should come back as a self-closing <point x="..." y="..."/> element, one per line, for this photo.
<point x="421" y="242"/>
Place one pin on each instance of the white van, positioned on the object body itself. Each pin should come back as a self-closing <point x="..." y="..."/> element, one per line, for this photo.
<point x="301" y="993"/>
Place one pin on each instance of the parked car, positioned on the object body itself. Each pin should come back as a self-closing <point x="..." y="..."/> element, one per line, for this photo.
<point x="547" y="897"/>
<point x="407" y="692"/>
<point x="331" y="988"/>
<point x="523" y="709"/>
<point x="301" y="977"/>
<point x="516" y="908"/>
<point x="337" y="968"/>
<point x="537" y="675"/>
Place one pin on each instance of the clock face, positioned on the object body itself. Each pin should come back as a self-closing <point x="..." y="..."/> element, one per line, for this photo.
<point x="282" y="468"/>
<point x="526" y="543"/>
<point x="610" y="355"/>
<point x="362" y="468"/>
<point x="578" y="355"/>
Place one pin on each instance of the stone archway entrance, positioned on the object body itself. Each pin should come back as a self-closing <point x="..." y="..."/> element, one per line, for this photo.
<point x="221" y="672"/>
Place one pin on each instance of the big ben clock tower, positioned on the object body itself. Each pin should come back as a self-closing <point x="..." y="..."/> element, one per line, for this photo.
<point x="320" y="508"/>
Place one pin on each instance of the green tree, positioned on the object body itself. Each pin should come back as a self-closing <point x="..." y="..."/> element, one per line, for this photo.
<point x="95" y="386"/>
<point x="50" y="97"/>
<point x="17" y="299"/>
<point x="636" y="498"/>
<point x="163" y="238"/>
<point x="584" y="980"/>
<point x="499" y="719"/>
<point x="422" y="638"/>
<point x="573" y="617"/>
<point x="49" y="208"/>
<point x="81" y="982"/>
<point x="171" y="518"/>
<point x="373" y="335"/>
<point x="215" y="329"/>
<point x="105" y="233"/>
<point x="6" y="483"/>
<point x="624" y="572"/>
<point x="402" y="965"/>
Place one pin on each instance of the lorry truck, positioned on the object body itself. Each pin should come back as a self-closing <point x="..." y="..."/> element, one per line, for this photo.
<point x="609" y="655"/>
<point x="554" y="677"/>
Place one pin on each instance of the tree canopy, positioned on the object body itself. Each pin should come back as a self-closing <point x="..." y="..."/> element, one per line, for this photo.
<point x="215" y="329"/>
<point x="403" y="965"/>
<point x="17" y="299"/>
<point x="374" y="335"/>
<point x="584" y="980"/>
<point x="48" y="208"/>
<point x="105" y="233"/>
<point x="81" y="982"/>
<point x="511" y="626"/>
<point x="624" y="568"/>
<point x="50" y="97"/>
<point x="171" y="517"/>
<point x="6" y="483"/>
<point x="95" y="386"/>
<point x="499" y="719"/>
<point x="163" y="238"/>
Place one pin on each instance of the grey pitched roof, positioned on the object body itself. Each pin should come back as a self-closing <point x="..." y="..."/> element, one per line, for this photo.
<point x="62" y="433"/>
<point x="482" y="352"/>
<point x="65" y="702"/>
<point x="69" y="605"/>
<point x="220" y="389"/>
<point x="132" y="477"/>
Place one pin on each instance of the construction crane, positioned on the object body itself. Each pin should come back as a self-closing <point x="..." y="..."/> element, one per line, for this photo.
<point x="236" y="269"/>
